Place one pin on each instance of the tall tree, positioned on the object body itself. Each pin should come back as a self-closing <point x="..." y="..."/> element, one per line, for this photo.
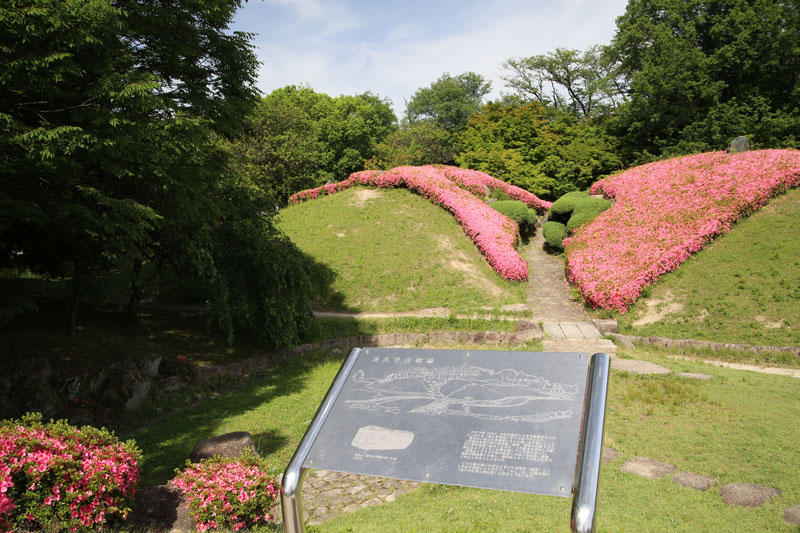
<point x="109" y="122"/>
<point x="703" y="72"/>
<point x="297" y="138"/>
<point x="585" y="83"/>
<point x="449" y="101"/>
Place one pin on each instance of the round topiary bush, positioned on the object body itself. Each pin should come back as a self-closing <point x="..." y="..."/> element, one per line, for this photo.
<point x="520" y="213"/>
<point x="554" y="233"/>
<point x="573" y="210"/>
<point x="57" y="477"/>
<point x="221" y="493"/>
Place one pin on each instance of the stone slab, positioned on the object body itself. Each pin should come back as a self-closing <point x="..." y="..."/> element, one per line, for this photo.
<point x="571" y="331"/>
<point x="646" y="467"/>
<point x="692" y="480"/>
<point x="606" y="325"/>
<point x="791" y="515"/>
<point x="502" y="420"/>
<point x="748" y="494"/>
<point x="588" y="330"/>
<point x="695" y="375"/>
<point x="590" y="346"/>
<point x="635" y="366"/>
<point x="553" y="330"/>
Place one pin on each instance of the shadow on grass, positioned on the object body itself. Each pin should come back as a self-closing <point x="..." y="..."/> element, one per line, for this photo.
<point x="268" y="405"/>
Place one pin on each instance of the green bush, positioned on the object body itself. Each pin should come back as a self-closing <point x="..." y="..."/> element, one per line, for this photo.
<point x="554" y="233"/>
<point x="563" y="207"/>
<point x="520" y="213"/>
<point x="585" y="210"/>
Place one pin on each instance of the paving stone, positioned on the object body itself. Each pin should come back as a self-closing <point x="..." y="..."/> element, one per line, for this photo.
<point x="552" y="330"/>
<point x="791" y="515"/>
<point x="609" y="454"/>
<point x="646" y="467"/>
<point x="588" y="330"/>
<point x="638" y="367"/>
<point x="590" y="346"/>
<point x="571" y="331"/>
<point x="695" y="375"/>
<point x="748" y="494"/>
<point x="692" y="480"/>
<point x="606" y="325"/>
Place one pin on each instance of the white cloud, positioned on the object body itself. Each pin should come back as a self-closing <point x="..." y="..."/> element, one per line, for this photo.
<point x="393" y="53"/>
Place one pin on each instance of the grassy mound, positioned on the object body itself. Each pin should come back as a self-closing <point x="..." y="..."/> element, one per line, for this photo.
<point x="744" y="288"/>
<point x="392" y="250"/>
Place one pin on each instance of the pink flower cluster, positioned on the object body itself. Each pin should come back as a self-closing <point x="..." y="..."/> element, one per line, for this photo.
<point x="455" y="189"/>
<point x="230" y="495"/>
<point x="58" y="475"/>
<point x="666" y="211"/>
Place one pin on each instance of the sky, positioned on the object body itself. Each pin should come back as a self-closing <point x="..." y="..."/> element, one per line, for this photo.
<point x="393" y="48"/>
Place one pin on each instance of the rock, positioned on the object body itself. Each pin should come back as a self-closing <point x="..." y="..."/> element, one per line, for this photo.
<point x="739" y="144"/>
<point x="161" y="508"/>
<point x="791" y="515"/>
<point x="487" y="191"/>
<point x="609" y="454"/>
<point x="139" y="395"/>
<point x="692" y="480"/>
<point x="646" y="467"/>
<point x="606" y="325"/>
<point x="748" y="494"/>
<point x="230" y="445"/>
<point x="33" y="390"/>
<point x="151" y="366"/>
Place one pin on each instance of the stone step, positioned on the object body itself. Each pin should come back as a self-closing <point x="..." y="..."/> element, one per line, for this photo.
<point x="584" y="345"/>
<point x="571" y="330"/>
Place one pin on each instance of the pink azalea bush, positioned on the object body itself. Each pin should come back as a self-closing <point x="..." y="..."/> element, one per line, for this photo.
<point x="455" y="189"/>
<point x="234" y="494"/>
<point x="58" y="477"/>
<point x="666" y="211"/>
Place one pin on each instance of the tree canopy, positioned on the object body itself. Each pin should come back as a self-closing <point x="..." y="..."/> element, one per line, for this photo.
<point x="449" y="101"/>
<point x="109" y="128"/>
<point x="704" y="72"/>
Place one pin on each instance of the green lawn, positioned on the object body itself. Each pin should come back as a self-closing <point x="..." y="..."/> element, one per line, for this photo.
<point x="727" y="427"/>
<point x="392" y="250"/>
<point x="744" y="288"/>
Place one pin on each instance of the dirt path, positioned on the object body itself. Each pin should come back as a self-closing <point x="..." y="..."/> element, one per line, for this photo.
<point x="548" y="292"/>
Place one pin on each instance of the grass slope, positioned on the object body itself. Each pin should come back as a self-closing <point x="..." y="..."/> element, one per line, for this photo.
<point x="743" y="288"/>
<point x="726" y="427"/>
<point x="392" y="250"/>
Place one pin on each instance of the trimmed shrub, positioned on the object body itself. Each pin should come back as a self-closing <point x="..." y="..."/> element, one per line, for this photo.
<point x="585" y="211"/>
<point x="562" y="208"/>
<point x="520" y="213"/>
<point x="56" y="477"/>
<point x="221" y="493"/>
<point x="554" y="234"/>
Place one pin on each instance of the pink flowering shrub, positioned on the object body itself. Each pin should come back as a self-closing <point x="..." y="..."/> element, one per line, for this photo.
<point x="455" y="189"/>
<point x="58" y="477"/>
<point x="234" y="494"/>
<point x="666" y="211"/>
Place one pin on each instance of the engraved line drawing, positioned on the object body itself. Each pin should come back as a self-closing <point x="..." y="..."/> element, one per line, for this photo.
<point x="461" y="390"/>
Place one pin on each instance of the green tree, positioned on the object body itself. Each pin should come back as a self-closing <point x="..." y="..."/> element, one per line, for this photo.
<point x="109" y="128"/>
<point x="297" y="138"/>
<point x="535" y="147"/>
<point x="704" y="72"/>
<point x="422" y="143"/>
<point x="586" y="83"/>
<point x="449" y="101"/>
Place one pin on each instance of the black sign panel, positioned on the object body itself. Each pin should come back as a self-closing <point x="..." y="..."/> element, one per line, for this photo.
<point x="488" y="419"/>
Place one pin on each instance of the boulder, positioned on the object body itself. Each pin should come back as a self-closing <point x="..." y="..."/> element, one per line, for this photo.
<point x="230" y="445"/>
<point x="739" y="144"/>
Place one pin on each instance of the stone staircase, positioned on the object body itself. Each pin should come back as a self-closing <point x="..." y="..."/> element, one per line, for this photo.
<point x="575" y="337"/>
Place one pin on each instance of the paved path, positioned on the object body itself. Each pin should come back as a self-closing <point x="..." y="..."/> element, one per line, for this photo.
<point x="549" y="294"/>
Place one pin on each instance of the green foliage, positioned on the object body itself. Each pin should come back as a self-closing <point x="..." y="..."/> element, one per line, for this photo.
<point x="520" y="213"/>
<point x="298" y="139"/>
<point x="577" y="208"/>
<point x="449" y="101"/>
<point x="421" y="143"/>
<point x="536" y="148"/>
<point x="703" y="73"/>
<point x="554" y="233"/>
<point x="589" y="82"/>
<point x="564" y="206"/>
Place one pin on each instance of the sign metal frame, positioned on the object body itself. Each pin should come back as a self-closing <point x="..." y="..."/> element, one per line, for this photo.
<point x="587" y="468"/>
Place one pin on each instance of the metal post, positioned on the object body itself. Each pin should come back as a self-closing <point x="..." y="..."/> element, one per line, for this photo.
<point x="591" y="445"/>
<point x="291" y="502"/>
